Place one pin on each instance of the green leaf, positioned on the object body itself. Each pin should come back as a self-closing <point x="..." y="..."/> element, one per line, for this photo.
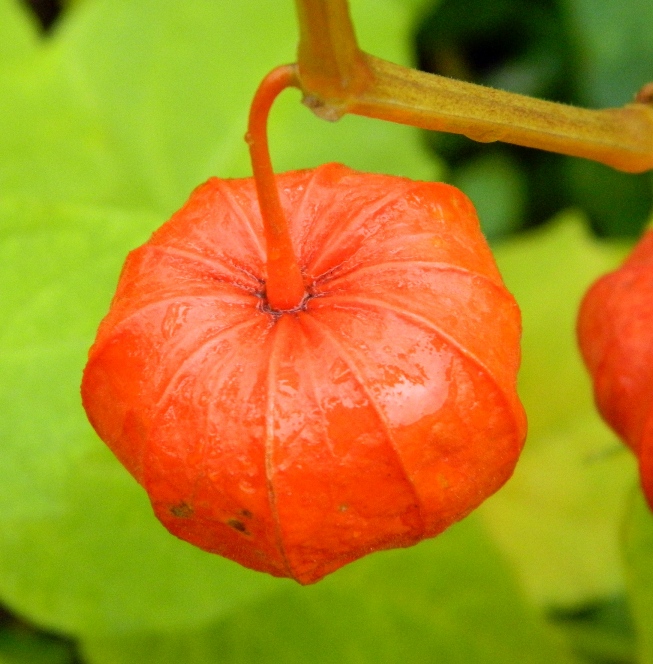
<point x="638" y="549"/>
<point x="144" y="103"/>
<point x="451" y="599"/>
<point x="18" y="37"/>
<point x="558" y="517"/>
<point x="175" y="94"/>
<point x="53" y="147"/>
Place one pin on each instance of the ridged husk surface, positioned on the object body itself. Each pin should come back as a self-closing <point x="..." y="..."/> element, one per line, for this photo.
<point x="376" y="414"/>
<point x="615" y="331"/>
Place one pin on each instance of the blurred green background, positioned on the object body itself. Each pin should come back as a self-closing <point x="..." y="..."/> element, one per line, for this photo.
<point x="111" y="111"/>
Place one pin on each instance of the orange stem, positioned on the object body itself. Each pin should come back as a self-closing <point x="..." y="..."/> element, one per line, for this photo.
<point x="285" y="285"/>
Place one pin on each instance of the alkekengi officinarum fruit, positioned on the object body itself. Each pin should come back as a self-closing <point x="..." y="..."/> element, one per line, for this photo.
<point x="615" y="331"/>
<point x="305" y="368"/>
<point x="375" y="414"/>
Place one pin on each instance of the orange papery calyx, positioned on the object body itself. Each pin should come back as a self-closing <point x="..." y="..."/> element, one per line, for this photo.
<point x="615" y="331"/>
<point x="305" y="368"/>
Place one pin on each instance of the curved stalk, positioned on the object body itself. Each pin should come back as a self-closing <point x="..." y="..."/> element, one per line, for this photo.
<point x="284" y="285"/>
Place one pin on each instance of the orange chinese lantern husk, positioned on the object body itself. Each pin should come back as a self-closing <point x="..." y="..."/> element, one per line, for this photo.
<point x="375" y="414"/>
<point x="615" y="331"/>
